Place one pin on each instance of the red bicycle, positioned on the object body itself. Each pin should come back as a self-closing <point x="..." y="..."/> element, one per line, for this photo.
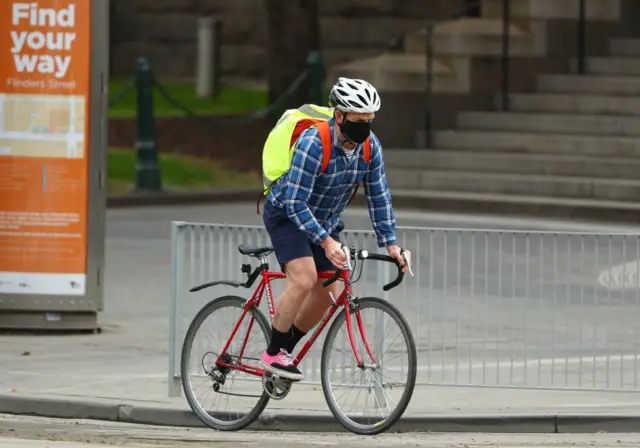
<point x="232" y="360"/>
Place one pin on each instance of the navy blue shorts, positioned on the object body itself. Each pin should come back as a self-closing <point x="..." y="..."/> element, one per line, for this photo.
<point x="290" y="243"/>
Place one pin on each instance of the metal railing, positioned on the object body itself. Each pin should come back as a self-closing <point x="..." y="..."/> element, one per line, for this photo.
<point x="501" y="309"/>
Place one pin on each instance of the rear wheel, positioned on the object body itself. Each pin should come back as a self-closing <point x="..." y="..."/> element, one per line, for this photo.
<point x="207" y="385"/>
<point x="375" y="386"/>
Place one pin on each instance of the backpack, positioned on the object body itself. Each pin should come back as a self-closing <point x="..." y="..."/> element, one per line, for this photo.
<point x="276" y="161"/>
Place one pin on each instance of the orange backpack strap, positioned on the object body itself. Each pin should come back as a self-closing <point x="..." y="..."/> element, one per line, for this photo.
<point x="366" y="153"/>
<point x="367" y="150"/>
<point x="325" y="137"/>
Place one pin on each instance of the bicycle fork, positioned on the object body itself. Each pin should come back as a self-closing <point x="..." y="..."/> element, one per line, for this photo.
<point x="376" y="367"/>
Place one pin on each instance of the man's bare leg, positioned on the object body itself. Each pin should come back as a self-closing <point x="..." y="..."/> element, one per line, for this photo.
<point x="313" y="309"/>
<point x="301" y="279"/>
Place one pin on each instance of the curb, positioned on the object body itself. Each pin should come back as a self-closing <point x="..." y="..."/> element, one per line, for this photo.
<point x="158" y="416"/>
<point x="181" y="198"/>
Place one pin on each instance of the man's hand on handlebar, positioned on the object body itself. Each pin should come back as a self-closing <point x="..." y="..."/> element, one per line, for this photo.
<point x="401" y="256"/>
<point x="334" y="252"/>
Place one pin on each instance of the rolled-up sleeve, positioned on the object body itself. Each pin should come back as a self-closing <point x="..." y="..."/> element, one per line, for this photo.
<point x="379" y="198"/>
<point x="305" y="166"/>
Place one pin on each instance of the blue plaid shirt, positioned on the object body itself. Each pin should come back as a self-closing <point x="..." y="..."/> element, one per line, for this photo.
<point x="314" y="200"/>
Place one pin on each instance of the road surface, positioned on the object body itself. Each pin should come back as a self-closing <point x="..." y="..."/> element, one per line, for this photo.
<point x="31" y="432"/>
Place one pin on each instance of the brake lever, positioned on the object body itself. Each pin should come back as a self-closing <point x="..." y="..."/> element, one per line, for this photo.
<point x="407" y="259"/>
<point x="347" y="253"/>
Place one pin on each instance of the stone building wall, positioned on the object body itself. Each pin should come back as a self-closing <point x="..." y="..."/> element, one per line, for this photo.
<point x="165" y="31"/>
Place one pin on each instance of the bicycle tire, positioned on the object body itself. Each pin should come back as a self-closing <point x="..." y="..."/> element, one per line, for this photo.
<point x="396" y="414"/>
<point x="202" y="414"/>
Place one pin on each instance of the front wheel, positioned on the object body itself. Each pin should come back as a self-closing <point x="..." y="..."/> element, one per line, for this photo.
<point x="382" y="386"/>
<point x="224" y="398"/>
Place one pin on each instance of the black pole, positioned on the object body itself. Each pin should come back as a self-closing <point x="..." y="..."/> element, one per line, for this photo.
<point x="429" y="89"/>
<point x="581" y="35"/>
<point x="148" y="176"/>
<point x="505" y="54"/>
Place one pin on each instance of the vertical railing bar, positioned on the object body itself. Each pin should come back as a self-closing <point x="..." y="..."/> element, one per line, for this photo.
<point x="566" y="311"/>
<point x="210" y="240"/>
<point x="555" y="309"/>
<point x="406" y="306"/>
<point x="203" y="254"/>
<point x="416" y="262"/>
<point x="623" y="301"/>
<point x="636" y="308"/>
<point x="581" y="320"/>
<point x="486" y="308"/>
<point x="175" y="308"/>
<point x="499" y="333"/>
<point x="458" y="300"/>
<point x="514" y="301"/>
<point x="430" y="299"/>
<point x="473" y="295"/>
<point x="192" y="253"/>
<point x="446" y="307"/>
<point x="526" y="312"/>
<point x="540" y="322"/>
<point x="596" y="303"/>
<point x="610" y="308"/>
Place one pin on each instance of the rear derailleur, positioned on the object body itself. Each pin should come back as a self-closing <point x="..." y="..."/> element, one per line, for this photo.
<point x="219" y="374"/>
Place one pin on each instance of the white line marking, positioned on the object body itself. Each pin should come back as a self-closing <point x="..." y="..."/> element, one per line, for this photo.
<point x="621" y="276"/>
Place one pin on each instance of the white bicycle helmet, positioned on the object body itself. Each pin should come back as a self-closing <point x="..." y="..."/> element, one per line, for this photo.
<point x="354" y="95"/>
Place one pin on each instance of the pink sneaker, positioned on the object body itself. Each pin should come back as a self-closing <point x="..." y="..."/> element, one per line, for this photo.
<point x="282" y="365"/>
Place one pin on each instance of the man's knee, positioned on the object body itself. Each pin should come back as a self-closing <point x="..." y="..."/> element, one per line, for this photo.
<point x="301" y="275"/>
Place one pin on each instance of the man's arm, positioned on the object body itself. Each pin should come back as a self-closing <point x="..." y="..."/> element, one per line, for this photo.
<point x="305" y="166"/>
<point x="379" y="198"/>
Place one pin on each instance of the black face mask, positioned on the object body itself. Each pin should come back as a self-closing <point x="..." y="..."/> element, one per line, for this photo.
<point x="355" y="131"/>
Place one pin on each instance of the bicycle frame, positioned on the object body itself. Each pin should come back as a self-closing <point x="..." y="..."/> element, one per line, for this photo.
<point x="265" y="286"/>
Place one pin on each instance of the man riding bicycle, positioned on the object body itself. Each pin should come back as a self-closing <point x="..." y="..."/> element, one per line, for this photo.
<point x="303" y="208"/>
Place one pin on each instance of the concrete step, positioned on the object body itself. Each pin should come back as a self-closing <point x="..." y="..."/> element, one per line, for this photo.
<point x="551" y="123"/>
<point x="538" y="143"/>
<point x="516" y="184"/>
<point x="553" y="9"/>
<point x="592" y="84"/>
<point x="624" y="47"/>
<point x="475" y="36"/>
<point x="516" y="205"/>
<point x="522" y="163"/>
<point x="401" y="72"/>
<point x="610" y="65"/>
<point x="575" y="104"/>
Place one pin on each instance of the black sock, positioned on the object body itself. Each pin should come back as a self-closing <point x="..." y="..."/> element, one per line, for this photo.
<point x="295" y="335"/>
<point x="279" y="341"/>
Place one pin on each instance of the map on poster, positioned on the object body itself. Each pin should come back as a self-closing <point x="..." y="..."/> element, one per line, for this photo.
<point x="42" y="125"/>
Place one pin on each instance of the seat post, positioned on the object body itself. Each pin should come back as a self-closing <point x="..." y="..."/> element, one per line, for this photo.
<point x="263" y="260"/>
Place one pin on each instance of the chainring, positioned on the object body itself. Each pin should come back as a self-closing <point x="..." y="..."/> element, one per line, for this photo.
<point x="277" y="388"/>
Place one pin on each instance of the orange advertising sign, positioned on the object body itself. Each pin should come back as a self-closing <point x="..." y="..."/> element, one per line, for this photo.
<point x="44" y="100"/>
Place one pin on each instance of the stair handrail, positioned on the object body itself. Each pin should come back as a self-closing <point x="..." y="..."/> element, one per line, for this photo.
<point x="582" y="36"/>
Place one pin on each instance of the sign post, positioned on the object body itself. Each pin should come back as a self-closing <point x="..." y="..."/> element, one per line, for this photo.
<point x="53" y="139"/>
